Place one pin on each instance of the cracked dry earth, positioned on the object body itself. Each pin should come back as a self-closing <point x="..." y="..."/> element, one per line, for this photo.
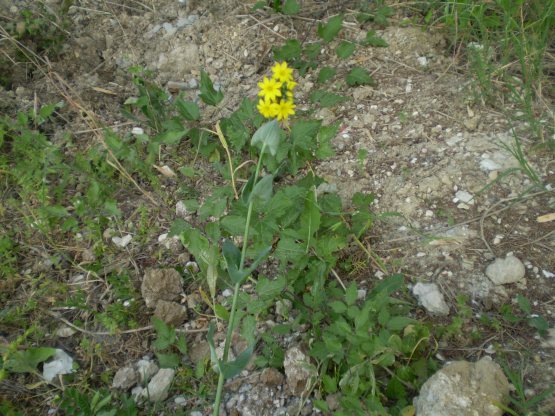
<point x="418" y="140"/>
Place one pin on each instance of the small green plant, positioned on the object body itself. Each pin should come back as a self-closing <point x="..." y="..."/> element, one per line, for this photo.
<point x="166" y="342"/>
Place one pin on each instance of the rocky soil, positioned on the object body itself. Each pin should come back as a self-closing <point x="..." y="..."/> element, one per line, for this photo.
<point x="418" y="140"/>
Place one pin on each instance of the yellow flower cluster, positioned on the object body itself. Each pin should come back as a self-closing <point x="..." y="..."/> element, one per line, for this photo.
<point x="277" y="93"/>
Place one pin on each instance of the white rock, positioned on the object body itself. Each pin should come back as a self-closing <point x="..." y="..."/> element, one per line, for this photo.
<point x="505" y="271"/>
<point x="146" y="369"/>
<point x="181" y="210"/>
<point x="488" y="165"/>
<point x="65" y="331"/>
<point x="549" y="342"/>
<point x="137" y="131"/>
<point x="122" y="241"/>
<point x="61" y="363"/>
<point x="464" y="389"/>
<point x="422" y="60"/>
<point x="298" y="370"/>
<point x="431" y="298"/>
<point x="125" y="377"/>
<point x="465" y="197"/>
<point x="159" y="385"/>
<point x="548" y="274"/>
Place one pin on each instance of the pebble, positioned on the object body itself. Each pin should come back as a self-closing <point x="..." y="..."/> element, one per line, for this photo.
<point x="122" y="241"/>
<point x="505" y="271"/>
<point x="430" y="297"/>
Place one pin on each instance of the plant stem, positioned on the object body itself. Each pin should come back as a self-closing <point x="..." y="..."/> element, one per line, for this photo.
<point x="236" y="288"/>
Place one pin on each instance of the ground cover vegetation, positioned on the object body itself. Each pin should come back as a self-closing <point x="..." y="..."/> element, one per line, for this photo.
<point x="270" y="230"/>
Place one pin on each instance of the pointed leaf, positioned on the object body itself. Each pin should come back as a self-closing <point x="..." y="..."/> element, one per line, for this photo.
<point x="207" y="92"/>
<point x="325" y="74"/>
<point x="330" y="30"/>
<point x="291" y="7"/>
<point x="261" y="256"/>
<point x="231" y="253"/>
<point x="188" y="109"/>
<point x="268" y="134"/>
<point x="359" y="76"/>
<point x="232" y="368"/>
<point x="210" y="338"/>
<point x="262" y="191"/>
<point x="345" y="49"/>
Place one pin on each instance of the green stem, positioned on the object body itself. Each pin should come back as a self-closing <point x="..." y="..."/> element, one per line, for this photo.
<point x="236" y="288"/>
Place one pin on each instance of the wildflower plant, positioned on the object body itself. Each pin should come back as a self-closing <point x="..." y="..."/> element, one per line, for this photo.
<point x="276" y="93"/>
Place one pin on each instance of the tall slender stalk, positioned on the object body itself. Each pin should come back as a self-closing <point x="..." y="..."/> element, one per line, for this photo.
<point x="236" y="288"/>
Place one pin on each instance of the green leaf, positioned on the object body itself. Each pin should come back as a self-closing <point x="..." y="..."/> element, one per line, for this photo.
<point x="312" y="50"/>
<point x="330" y="30"/>
<point x="373" y="40"/>
<point x="221" y="312"/>
<point x="304" y="132"/>
<point x="540" y="323"/>
<point x="207" y="92"/>
<point x="258" y="5"/>
<point x="345" y="49"/>
<point x="262" y="191"/>
<point x="210" y="258"/>
<point x="359" y="76"/>
<point x="398" y="323"/>
<point x="210" y="338"/>
<point x="188" y="109"/>
<point x="351" y="294"/>
<point x="268" y="134"/>
<point x="248" y="329"/>
<point x="524" y="304"/>
<point x="234" y="224"/>
<point x="270" y="289"/>
<point x="261" y="256"/>
<point x="310" y="218"/>
<point x="170" y="360"/>
<point x="291" y="7"/>
<point x="326" y="99"/>
<point x="181" y="344"/>
<point x="290" y="51"/>
<point x="325" y="74"/>
<point x="27" y="361"/>
<point x="338" y="306"/>
<point x="232" y="368"/>
<point x="171" y="136"/>
<point x="232" y="254"/>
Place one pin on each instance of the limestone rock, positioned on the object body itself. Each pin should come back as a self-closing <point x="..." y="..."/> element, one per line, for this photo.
<point x="125" y="378"/>
<point x="159" y="386"/>
<point x="271" y="377"/>
<point x="298" y="370"/>
<point x="171" y="313"/>
<point x="505" y="271"/>
<point x="463" y="388"/>
<point x="161" y="284"/>
<point x="431" y="298"/>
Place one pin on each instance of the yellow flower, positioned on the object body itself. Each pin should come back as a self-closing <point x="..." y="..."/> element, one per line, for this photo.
<point x="269" y="89"/>
<point x="284" y="109"/>
<point x="282" y="72"/>
<point x="289" y="95"/>
<point x="291" y="84"/>
<point x="266" y="108"/>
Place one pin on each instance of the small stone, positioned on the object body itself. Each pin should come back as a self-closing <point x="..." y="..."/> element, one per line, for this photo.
<point x="464" y="388"/>
<point x="65" y="331"/>
<point x="171" y="313"/>
<point x="146" y="369"/>
<point x="199" y="352"/>
<point x="549" y="342"/>
<point x="181" y="210"/>
<point x="464" y="197"/>
<point x="60" y="363"/>
<point x="159" y="386"/>
<point x="180" y="401"/>
<point x="122" y="241"/>
<point x="161" y="284"/>
<point x="298" y="370"/>
<point x="283" y="308"/>
<point x="361" y="294"/>
<point x="88" y="256"/>
<point x="431" y="298"/>
<point x="505" y="271"/>
<point x="271" y="377"/>
<point x="125" y="378"/>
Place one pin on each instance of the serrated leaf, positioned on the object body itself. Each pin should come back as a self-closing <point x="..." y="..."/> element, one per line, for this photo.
<point x="27" y="361"/>
<point x="373" y="40"/>
<point x="345" y="49"/>
<point x="325" y="74"/>
<point x="312" y="50"/>
<point x="351" y="294"/>
<point x="338" y="306"/>
<point x="268" y="134"/>
<point x="524" y="304"/>
<point x="232" y="368"/>
<point x="290" y="51"/>
<point x="291" y="7"/>
<point x="207" y="92"/>
<point x="330" y="30"/>
<point x="181" y="344"/>
<point x="170" y="360"/>
<point x="359" y="76"/>
<point x="188" y="109"/>
<point x="326" y="99"/>
<point x="270" y="289"/>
